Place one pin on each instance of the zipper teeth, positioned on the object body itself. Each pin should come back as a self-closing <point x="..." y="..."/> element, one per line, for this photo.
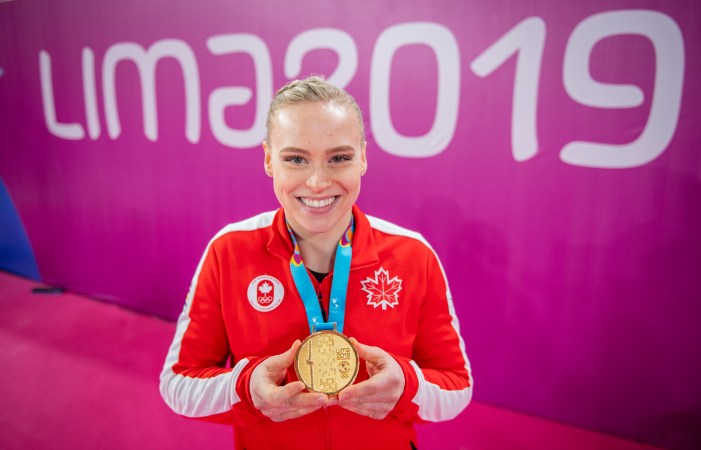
<point x="320" y="298"/>
<point x="327" y="431"/>
<point x="363" y="267"/>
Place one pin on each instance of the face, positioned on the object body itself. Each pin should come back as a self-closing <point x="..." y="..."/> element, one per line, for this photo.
<point x="316" y="159"/>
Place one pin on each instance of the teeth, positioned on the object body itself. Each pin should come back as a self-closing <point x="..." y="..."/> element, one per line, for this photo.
<point x="317" y="203"/>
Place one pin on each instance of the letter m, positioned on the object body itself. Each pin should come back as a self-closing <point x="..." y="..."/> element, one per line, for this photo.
<point x="146" y="61"/>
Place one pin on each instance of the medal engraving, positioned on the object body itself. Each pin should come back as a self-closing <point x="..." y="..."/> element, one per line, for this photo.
<point x="326" y="362"/>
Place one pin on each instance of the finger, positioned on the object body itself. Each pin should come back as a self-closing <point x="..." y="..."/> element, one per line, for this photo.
<point x="292" y="395"/>
<point x="378" y="407"/>
<point x="374" y="400"/>
<point x="380" y="388"/>
<point x="373" y="414"/>
<point x="364" y="389"/>
<point x="307" y="400"/>
<point x="281" y="395"/>
<point x="294" y="413"/>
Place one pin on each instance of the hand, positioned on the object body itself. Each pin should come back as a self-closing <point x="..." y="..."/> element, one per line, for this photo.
<point x="376" y="396"/>
<point x="282" y="402"/>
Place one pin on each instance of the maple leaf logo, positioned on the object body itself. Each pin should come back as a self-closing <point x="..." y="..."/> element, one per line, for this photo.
<point x="265" y="288"/>
<point x="382" y="290"/>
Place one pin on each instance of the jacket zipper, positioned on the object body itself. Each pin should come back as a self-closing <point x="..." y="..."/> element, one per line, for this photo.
<point x="325" y="414"/>
<point x="318" y="286"/>
<point x="326" y="424"/>
<point x="320" y="296"/>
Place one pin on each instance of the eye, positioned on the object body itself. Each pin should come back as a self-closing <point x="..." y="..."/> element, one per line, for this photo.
<point x="296" y="159"/>
<point x="341" y="158"/>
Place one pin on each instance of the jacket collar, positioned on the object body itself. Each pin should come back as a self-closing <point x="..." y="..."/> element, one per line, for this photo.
<point x="364" y="250"/>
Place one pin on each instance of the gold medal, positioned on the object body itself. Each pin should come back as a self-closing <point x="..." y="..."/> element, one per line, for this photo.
<point x="326" y="362"/>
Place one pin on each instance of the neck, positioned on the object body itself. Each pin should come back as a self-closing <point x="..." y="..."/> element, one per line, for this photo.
<point x="318" y="256"/>
<point x="318" y="250"/>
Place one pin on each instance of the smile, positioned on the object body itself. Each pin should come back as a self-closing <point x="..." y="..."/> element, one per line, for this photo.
<point x="317" y="203"/>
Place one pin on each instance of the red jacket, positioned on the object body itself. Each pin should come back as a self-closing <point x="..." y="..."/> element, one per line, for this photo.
<point x="243" y="306"/>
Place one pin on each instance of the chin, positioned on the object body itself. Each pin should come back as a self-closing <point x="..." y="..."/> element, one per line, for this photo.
<point x="317" y="226"/>
<point x="320" y="224"/>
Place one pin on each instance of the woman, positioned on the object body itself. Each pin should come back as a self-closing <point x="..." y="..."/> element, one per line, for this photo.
<point x="255" y="291"/>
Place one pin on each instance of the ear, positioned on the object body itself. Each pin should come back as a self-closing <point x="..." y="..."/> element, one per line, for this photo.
<point x="363" y="158"/>
<point x="267" y="161"/>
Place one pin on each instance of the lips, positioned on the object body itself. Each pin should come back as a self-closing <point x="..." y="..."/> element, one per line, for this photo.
<point x="317" y="203"/>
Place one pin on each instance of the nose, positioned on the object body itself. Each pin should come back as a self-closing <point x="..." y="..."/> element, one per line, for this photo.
<point x="318" y="179"/>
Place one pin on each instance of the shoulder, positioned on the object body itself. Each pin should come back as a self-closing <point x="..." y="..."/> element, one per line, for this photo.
<point x="400" y="242"/>
<point x="393" y="230"/>
<point x="245" y="229"/>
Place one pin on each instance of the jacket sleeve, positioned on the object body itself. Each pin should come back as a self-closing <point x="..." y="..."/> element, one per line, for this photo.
<point x="438" y="378"/>
<point x="195" y="381"/>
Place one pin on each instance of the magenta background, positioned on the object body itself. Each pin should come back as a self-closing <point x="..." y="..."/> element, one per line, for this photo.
<point x="578" y="289"/>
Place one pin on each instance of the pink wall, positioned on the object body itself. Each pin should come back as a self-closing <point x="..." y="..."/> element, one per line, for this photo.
<point x="548" y="150"/>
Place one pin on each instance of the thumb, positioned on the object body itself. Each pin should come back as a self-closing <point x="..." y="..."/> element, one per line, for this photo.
<point x="283" y="360"/>
<point x="372" y="355"/>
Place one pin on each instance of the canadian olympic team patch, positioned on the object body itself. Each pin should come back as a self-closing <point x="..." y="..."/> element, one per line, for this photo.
<point x="265" y="293"/>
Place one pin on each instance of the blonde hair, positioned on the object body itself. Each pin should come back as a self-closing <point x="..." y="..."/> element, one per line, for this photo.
<point x="312" y="90"/>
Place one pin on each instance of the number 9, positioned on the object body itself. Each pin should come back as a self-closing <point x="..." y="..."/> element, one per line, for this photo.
<point x="668" y="44"/>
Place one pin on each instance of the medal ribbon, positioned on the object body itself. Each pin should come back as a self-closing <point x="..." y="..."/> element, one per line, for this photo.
<point x="339" y="285"/>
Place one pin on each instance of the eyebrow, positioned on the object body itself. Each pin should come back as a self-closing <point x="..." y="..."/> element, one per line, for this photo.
<point x="333" y="150"/>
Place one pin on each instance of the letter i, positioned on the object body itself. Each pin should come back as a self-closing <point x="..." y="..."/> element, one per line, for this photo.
<point x="89" y="93"/>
